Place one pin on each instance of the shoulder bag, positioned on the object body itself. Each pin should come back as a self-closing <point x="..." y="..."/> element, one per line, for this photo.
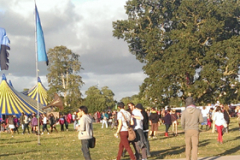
<point x="131" y="132"/>
<point x="92" y="141"/>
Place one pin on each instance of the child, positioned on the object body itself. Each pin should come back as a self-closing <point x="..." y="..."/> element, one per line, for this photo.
<point x="61" y="122"/>
<point x="209" y="123"/>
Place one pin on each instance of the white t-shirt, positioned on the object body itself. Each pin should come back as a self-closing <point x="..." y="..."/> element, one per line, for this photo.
<point x="127" y="116"/>
<point x="204" y="112"/>
<point x="219" y="118"/>
<point x="138" y="124"/>
<point x="44" y="120"/>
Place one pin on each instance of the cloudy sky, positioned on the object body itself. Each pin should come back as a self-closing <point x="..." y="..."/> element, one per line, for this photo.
<point x="85" y="27"/>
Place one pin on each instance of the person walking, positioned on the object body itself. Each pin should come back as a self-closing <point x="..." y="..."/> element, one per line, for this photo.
<point x="74" y="120"/>
<point x="26" y="123"/>
<point x="140" y="141"/>
<point x="66" y="121"/>
<point x="104" y="119"/>
<point x="85" y="129"/>
<point x="174" y="122"/>
<point x="53" y="123"/>
<point x="204" y="114"/>
<point x="226" y="116"/>
<point x="45" y="119"/>
<point x="22" y="120"/>
<point x="219" y="122"/>
<point x="145" y="127"/>
<point x="190" y="120"/>
<point x="154" y="118"/>
<point x="11" y="124"/>
<point x="16" y="123"/>
<point x="61" y="122"/>
<point x="167" y="121"/>
<point x="123" y="118"/>
<point x="34" y="123"/>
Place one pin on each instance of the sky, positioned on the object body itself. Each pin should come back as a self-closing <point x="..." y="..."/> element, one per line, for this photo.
<point x="83" y="26"/>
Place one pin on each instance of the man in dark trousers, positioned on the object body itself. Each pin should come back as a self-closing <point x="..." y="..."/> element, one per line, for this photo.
<point x="85" y="129"/>
<point x="190" y="120"/>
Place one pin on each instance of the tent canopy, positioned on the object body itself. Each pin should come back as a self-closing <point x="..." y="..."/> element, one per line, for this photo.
<point x="39" y="90"/>
<point x="13" y="102"/>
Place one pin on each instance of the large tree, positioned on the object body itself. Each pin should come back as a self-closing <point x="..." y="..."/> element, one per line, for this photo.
<point x="188" y="47"/>
<point x="63" y="77"/>
<point x="99" y="100"/>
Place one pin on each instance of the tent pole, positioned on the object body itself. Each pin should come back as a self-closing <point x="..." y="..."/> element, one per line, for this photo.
<point x="39" y="143"/>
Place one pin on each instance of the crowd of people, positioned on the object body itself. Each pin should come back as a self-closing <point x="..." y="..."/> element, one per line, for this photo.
<point x="30" y="124"/>
<point x="145" y="123"/>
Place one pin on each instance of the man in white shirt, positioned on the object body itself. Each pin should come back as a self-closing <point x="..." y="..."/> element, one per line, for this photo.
<point x="123" y="118"/>
<point x="141" y="143"/>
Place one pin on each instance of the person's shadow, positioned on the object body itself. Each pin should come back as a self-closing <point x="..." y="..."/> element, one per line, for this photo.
<point x="175" y="150"/>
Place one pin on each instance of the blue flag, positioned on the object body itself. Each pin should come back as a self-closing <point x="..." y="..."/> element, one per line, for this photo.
<point x="4" y="41"/>
<point x="41" y="50"/>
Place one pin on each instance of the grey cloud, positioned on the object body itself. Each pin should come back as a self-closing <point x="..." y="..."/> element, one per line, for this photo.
<point x="105" y="59"/>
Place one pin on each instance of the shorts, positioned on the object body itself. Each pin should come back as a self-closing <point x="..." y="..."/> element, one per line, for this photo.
<point x="11" y="126"/>
<point x="154" y="127"/>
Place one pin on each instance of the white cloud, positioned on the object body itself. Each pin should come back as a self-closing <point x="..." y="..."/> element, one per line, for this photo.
<point x="85" y="27"/>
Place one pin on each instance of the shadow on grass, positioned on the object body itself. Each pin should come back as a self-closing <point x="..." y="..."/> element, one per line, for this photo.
<point x="16" y="153"/>
<point x="175" y="150"/>
<point x="230" y="151"/>
<point x="236" y="138"/>
<point x="234" y="129"/>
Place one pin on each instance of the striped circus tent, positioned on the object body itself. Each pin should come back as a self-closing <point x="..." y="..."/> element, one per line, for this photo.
<point x="40" y="90"/>
<point x="13" y="102"/>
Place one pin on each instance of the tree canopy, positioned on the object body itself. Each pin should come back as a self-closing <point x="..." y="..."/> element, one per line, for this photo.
<point x="190" y="48"/>
<point x="63" y="76"/>
<point x="99" y="100"/>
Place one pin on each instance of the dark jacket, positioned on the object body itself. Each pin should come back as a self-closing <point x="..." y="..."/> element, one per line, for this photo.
<point x="174" y="117"/>
<point x="167" y="119"/>
<point x="154" y="117"/>
<point x="226" y="116"/>
<point x="145" y="121"/>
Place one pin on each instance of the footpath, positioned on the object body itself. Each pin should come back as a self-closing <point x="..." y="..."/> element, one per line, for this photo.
<point x="236" y="157"/>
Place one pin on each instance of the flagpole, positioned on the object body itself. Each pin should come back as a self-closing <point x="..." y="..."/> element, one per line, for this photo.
<point x="39" y="143"/>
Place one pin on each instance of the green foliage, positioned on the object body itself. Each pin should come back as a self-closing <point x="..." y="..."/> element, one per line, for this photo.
<point x="190" y="48"/>
<point x="63" y="77"/>
<point x="99" y="100"/>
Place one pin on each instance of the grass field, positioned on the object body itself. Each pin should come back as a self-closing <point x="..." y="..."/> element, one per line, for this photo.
<point x="65" y="145"/>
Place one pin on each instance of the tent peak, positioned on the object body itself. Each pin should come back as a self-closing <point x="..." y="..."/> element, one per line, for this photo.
<point x="39" y="80"/>
<point x="4" y="77"/>
<point x="10" y="83"/>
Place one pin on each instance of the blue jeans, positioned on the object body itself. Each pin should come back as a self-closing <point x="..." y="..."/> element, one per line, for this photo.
<point x="85" y="148"/>
<point x="44" y="127"/>
<point x="147" y="145"/>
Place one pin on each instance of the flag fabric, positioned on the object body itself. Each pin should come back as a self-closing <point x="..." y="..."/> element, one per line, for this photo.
<point x="4" y="41"/>
<point x="41" y="50"/>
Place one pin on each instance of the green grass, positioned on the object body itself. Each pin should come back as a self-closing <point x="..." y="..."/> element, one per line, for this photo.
<point x="65" y="145"/>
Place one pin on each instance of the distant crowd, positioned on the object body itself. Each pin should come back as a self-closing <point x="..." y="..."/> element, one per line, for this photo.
<point x="145" y="123"/>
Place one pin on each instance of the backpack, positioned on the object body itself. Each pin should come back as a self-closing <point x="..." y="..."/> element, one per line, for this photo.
<point x="61" y="121"/>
